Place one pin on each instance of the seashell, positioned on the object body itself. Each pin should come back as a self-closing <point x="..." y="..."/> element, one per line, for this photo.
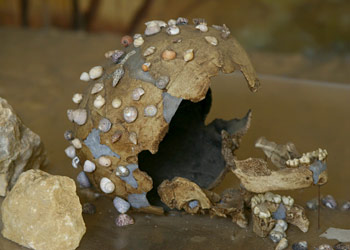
<point x="345" y="206"/>
<point x="78" y="116"/>
<point x="97" y="88"/>
<point x="137" y="93"/>
<point x="104" y="161"/>
<point x="126" y="41"/>
<point x="83" y="180"/>
<point x="109" y="53"/>
<point x="116" y="136"/>
<point x="130" y="114"/>
<point x="133" y="137"/>
<point x="77" y="98"/>
<point x="225" y="32"/>
<point x="168" y="55"/>
<point x="173" y="30"/>
<point x="212" y="40"/>
<point x="107" y="185"/>
<point x="122" y="171"/>
<point x="276" y="236"/>
<point x="68" y="135"/>
<point x="145" y="66"/>
<point x="198" y="21"/>
<point x="99" y="102"/>
<point x="302" y="245"/>
<point x="89" y="208"/>
<point x="77" y="143"/>
<point x="149" y="51"/>
<point x="283" y="244"/>
<point x="172" y="22"/>
<point x="138" y="40"/>
<point x="70" y="115"/>
<point x="104" y="125"/>
<point x="162" y="82"/>
<point x="312" y="204"/>
<point x="150" y="111"/>
<point x="329" y="202"/>
<point x="75" y="162"/>
<point x="324" y="247"/>
<point x="117" y="55"/>
<point x="117" y="75"/>
<point x="124" y="220"/>
<point x="160" y="23"/>
<point x="181" y="21"/>
<point x="96" y="72"/>
<point x="188" y="56"/>
<point x="70" y="152"/>
<point x="116" y="103"/>
<point x="121" y="205"/>
<point x="282" y="224"/>
<point x="202" y="27"/>
<point x="85" y="77"/>
<point x="89" y="166"/>
<point x="152" y="28"/>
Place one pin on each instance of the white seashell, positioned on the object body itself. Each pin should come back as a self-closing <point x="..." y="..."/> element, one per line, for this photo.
<point x="181" y="21"/>
<point x="107" y="185"/>
<point x="99" y="102"/>
<point x="117" y="75"/>
<point x="172" y="22"/>
<point x="77" y="143"/>
<point x="116" y="103"/>
<point x="152" y="28"/>
<point x="173" y="30"/>
<point x="162" y="82"/>
<point x="212" y="40"/>
<point x="130" y="114"/>
<point x="122" y="171"/>
<point x="78" y="116"/>
<point x="104" y="161"/>
<point x="202" y="27"/>
<point x="150" y="111"/>
<point x="77" y="98"/>
<point x="85" y="77"/>
<point x="133" y="137"/>
<point x="149" y="51"/>
<point x="137" y="93"/>
<point x="89" y="166"/>
<point x="70" y="152"/>
<point x="97" y="88"/>
<point x="70" y="115"/>
<point x="75" y="162"/>
<point x="188" y="56"/>
<point x="138" y="42"/>
<point x="160" y="23"/>
<point x="96" y="72"/>
<point x="277" y="199"/>
<point x="283" y="244"/>
<point x="104" y="125"/>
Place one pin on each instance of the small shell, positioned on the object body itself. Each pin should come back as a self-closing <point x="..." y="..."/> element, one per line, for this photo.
<point x="130" y="114"/>
<point x="162" y="82"/>
<point x="117" y="55"/>
<point x="75" y="162"/>
<point x="329" y="202"/>
<point x="85" y="77"/>
<point x="149" y="51"/>
<point x="124" y="220"/>
<point x="96" y="72"/>
<point x="107" y="185"/>
<point x="116" y="103"/>
<point x="145" y="66"/>
<point x="172" y="22"/>
<point x="77" y="98"/>
<point x="83" y="180"/>
<point x="168" y="55"/>
<point x="152" y="28"/>
<point x="283" y="244"/>
<point x="117" y="75"/>
<point x="77" y="143"/>
<point x="150" y="111"/>
<point x="122" y="171"/>
<point x="68" y="135"/>
<point x="138" y="40"/>
<point x="202" y="27"/>
<point x="99" y="102"/>
<point x="97" y="88"/>
<point x="116" y="136"/>
<point x="78" y="116"/>
<point x="104" y="161"/>
<point x="225" y="32"/>
<point x="89" y="166"/>
<point x="188" y="56"/>
<point x="70" y="152"/>
<point x="121" y="205"/>
<point x="137" y="93"/>
<point x="160" y="23"/>
<point x="178" y="40"/>
<point x="211" y="40"/>
<point x="133" y="137"/>
<point x="104" y="125"/>
<point x="126" y="41"/>
<point x="181" y="21"/>
<point x="173" y="30"/>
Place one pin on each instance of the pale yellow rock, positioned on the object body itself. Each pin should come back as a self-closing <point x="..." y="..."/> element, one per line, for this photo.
<point x="43" y="212"/>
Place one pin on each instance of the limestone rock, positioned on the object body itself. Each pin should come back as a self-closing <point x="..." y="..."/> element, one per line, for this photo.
<point x="42" y="212"/>
<point x="20" y="148"/>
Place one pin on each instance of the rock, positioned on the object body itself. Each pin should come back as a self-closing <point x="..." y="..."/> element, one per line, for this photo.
<point x="42" y="212"/>
<point x="302" y="245"/>
<point x="20" y="148"/>
<point x="89" y="208"/>
<point x="124" y="220"/>
<point x="342" y="246"/>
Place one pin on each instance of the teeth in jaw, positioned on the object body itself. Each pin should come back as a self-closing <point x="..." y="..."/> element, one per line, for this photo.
<point x="288" y="201"/>
<point x="256" y="210"/>
<point x="264" y="215"/>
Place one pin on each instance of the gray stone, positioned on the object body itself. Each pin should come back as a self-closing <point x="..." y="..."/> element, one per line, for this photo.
<point x="170" y="105"/>
<point x="138" y="200"/>
<point x="121" y="205"/>
<point x="97" y="149"/>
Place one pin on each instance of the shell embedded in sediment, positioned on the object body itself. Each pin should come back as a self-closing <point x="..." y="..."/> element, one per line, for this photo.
<point x="202" y="27"/>
<point x="171" y="22"/>
<point x="138" y="40"/>
<point x="130" y="114"/>
<point x="173" y="30"/>
<point x="70" y="152"/>
<point x="117" y="75"/>
<point x="85" y="77"/>
<point x="97" y="88"/>
<point x="211" y="40"/>
<point x="116" y="103"/>
<point x="160" y="23"/>
<point x="117" y="55"/>
<point x="104" y="125"/>
<point x="168" y="55"/>
<point x="124" y="220"/>
<point x="149" y="51"/>
<point x="116" y="136"/>
<point x="181" y="21"/>
<point x="133" y="138"/>
<point x="107" y="185"/>
<point x="104" y="161"/>
<point x="76" y="143"/>
<point x="137" y="93"/>
<point x="77" y="98"/>
<point x="188" y="56"/>
<point x="162" y="82"/>
<point x="68" y="135"/>
<point x="152" y="28"/>
<point x="146" y="66"/>
<point x="99" y="102"/>
<point x="75" y="162"/>
<point x="126" y="41"/>
<point x="96" y="72"/>
<point x="89" y="166"/>
<point x="122" y="171"/>
<point x="121" y="205"/>
<point x="79" y="116"/>
<point x="150" y="111"/>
